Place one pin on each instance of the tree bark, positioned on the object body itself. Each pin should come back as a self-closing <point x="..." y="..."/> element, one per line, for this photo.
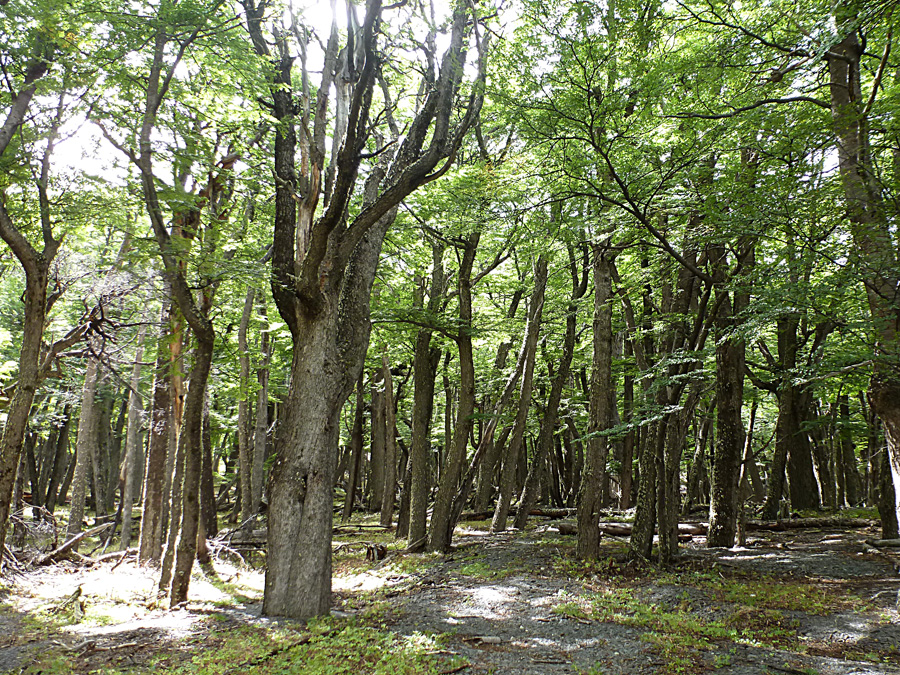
<point x="439" y="535"/>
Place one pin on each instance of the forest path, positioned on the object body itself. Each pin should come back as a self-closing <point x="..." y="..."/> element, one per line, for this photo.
<point x="519" y="603"/>
<point x="803" y="602"/>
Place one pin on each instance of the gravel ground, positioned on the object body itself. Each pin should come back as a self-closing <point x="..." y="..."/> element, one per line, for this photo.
<point x="493" y="600"/>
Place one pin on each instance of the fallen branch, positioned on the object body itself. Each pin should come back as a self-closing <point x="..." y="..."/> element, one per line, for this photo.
<point x="624" y="529"/>
<point x="63" y="551"/>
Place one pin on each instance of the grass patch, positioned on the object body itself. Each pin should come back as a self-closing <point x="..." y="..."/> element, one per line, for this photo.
<point x="677" y="633"/>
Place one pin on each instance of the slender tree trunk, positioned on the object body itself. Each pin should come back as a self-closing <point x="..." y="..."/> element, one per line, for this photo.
<point x="191" y="439"/>
<point x="152" y="523"/>
<point x="243" y="431"/>
<point x="379" y="434"/>
<point x="132" y="439"/>
<point x="846" y="463"/>
<point x="390" y="445"/>
<point x="590" y="499"/>
<point x="356" y="445"/>
<point x="532" y="331"/>
<point x="440" y="534"/>
<point x="86" y="438"/>
<point x="60" y="461"/>
<point x="261" y="427"/>
<point x="425" y="360"/>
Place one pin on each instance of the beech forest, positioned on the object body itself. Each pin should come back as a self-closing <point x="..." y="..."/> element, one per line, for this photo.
<point x="449" y="336"/>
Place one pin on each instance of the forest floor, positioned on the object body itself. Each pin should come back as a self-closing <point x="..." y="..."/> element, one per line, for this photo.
<point x="803" y="601"/>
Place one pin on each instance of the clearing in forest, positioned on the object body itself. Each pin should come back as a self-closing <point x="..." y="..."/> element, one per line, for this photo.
<point x="804" y="602"/>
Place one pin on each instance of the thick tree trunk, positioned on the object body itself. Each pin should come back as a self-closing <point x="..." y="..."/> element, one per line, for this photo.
<point x="872" y="235"/>
<point x="298" y="573"/>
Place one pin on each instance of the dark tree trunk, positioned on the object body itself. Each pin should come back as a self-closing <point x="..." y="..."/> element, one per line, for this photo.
<point x="846" y="463"/>
<point x="389" y="492"/>
<point x="261" y="424"/>
<point x="590" y="498"/>
<point x="425" y="361"/>
<point x="729" y="427"/>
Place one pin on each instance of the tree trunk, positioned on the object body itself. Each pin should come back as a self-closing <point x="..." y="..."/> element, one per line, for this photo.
<point x="60" y="461"/>
<point x="152" y="524"/>
<point x="872" y="235"/>
<point x="425" y="361"/>
<point x="846" y="463"/>
<point x="83" y="452"/>
<point x="379" y="434"/>
<point x="191" y="440"/>
<point x="389" y="492"/>
<point x="723" y="509"/>
<point x="245" y="455"/>
<point x="261" y="427"/>
<point x="590" y="499"/>
<point x="132" y="439"/>
<point x="549" y="419"/>
<point x="440" y="534"/>
<point x="356" y="445"/>
<point x="208" y="512"/>
<point x="532" y="331"/>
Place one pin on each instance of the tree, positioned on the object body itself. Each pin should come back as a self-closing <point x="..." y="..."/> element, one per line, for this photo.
<point x="324" y="262"/>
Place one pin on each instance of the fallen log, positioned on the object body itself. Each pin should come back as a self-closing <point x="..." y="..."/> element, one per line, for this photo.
<point x="624" y="529"/>
<point x="553" y="514"/>
<point x="61" y="552"/>
<point x="884" y="543"/>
